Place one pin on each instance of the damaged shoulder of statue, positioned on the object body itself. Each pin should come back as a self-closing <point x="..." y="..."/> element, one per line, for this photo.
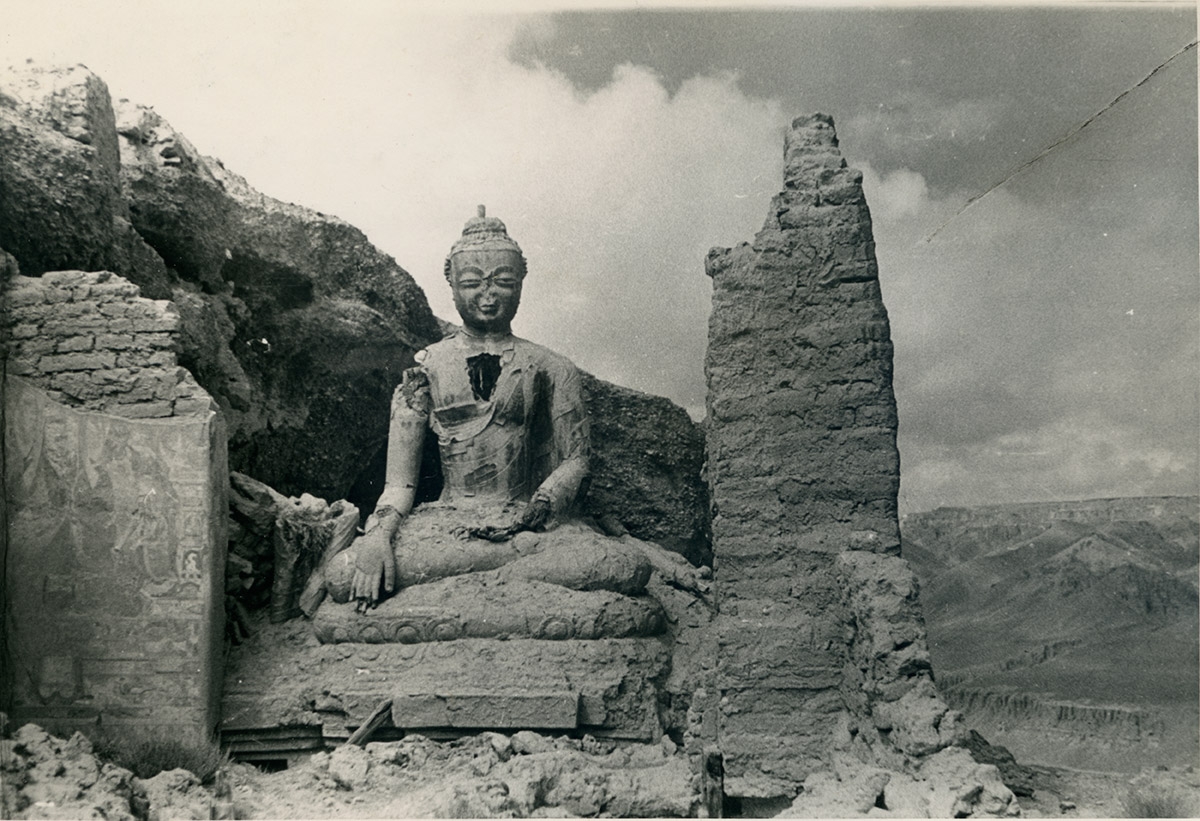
<point x="413" y="391"/>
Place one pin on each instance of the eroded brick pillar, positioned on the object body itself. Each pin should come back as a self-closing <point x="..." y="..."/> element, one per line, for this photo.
<point x="802" y="463"/>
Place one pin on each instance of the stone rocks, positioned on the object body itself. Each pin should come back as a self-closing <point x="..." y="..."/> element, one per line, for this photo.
<point x="954" y="786"/>
<point x="46" y="777"/>
<point x="949" y="784"/>
<point x="1018" y="778"/>
<point x="493" y="775"/>
<point x="177" y="794"/>
<point x="42" y="776"/>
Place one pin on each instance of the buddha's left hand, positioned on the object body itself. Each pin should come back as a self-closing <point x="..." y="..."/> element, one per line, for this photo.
<point x="533" y="517"/>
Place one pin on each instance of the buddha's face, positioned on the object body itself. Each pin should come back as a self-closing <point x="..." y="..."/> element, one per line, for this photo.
<point x="487" y="288"/>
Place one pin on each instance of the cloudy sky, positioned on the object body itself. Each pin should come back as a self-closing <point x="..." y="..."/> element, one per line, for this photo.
<point x="1046" y="336"/>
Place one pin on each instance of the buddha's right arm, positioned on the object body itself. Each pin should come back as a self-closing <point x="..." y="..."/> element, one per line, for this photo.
<point x="374" y="562"/>
<point x="406" y="437"/>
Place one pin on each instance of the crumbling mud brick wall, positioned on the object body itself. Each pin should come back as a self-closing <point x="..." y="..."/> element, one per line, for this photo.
<point x="92" y="343"/>
<point x="115" y="484"/>
<point x="819" y="634"/>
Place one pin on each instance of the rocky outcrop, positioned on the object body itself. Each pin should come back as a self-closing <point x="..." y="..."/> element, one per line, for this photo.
<point x="1017" y="777"/>
<point x="647" y="457"/>
<point x="291" y="319"/>
<point x="821" y="642"/>
<point x="319" y="322"/>
<point x="61" y="206"/>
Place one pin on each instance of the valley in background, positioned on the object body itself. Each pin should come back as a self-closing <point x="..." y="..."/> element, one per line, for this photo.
<point x="1068" y="631"/>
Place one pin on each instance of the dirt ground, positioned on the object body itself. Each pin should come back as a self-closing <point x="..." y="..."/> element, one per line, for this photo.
<point x="1063" y="793"/>
<point x="310" y="792"/>
<point x="490" y="775"/>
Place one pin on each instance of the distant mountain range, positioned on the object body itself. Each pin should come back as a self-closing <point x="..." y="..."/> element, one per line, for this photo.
<point x="1068" y="631"/>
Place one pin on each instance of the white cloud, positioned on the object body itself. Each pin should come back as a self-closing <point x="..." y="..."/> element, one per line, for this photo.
<point x="1080" y="456"/>
<point x="1020" y="374"/>
<point x="615" y="197"/>
<point x="915" y="116"/>
<point x="896" y="195"/>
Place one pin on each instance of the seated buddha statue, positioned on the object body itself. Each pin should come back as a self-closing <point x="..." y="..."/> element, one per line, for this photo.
<point x="502" y="553"/>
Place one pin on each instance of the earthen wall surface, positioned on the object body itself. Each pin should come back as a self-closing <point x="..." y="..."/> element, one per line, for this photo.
<point x="802" y="467"/>
<point x="115" y="486"/>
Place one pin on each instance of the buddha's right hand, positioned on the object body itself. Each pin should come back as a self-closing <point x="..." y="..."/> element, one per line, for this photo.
<point x="374" y="566"/>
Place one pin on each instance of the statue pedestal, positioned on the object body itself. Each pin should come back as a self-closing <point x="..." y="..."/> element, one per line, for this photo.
<point x="480" y="606"/>
<point x="285" y="693"/>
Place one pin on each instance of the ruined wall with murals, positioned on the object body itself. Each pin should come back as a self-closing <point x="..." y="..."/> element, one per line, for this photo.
<point x="115" y="487"/>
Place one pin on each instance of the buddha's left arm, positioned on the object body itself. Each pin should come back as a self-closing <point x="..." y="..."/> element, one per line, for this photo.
<point x="569" y="422"/>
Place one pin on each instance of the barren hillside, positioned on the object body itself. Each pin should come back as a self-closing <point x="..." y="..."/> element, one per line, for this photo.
<point x="1067" y="631"/>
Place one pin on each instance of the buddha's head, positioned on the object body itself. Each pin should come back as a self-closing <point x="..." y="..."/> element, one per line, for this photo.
<point x="485" y="269"/>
